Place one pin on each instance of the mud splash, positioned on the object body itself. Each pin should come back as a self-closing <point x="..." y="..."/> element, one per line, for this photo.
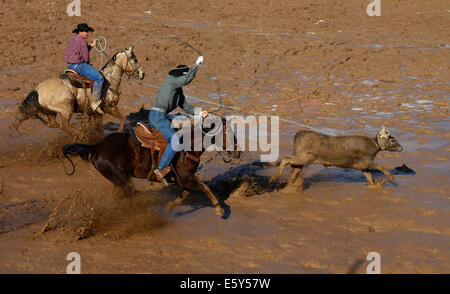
<point x="81" y="214"/>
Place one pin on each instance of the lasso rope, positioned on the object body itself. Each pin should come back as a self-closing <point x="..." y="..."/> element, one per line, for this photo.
<point x="201" y="65"/>
<point x="101" y="50"/>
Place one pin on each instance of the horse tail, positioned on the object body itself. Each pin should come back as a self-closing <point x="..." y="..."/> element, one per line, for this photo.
<point x="83" y="150"/>
<point x="29" y="106"/>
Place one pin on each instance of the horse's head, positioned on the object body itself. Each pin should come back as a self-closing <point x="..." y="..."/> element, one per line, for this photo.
<point x="128" y="62"/>
<point x="216" y="126"/>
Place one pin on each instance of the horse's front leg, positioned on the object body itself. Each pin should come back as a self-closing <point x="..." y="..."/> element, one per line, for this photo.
<point x="114" y="111"/>
<point x="98" y="118"/>
<point x="52" y="121"/>
<point x="195" y="183"/>
<point x="178" y="201"/>
<point x="65" y="124"/>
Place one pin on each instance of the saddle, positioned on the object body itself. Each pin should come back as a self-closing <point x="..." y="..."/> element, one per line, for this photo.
<point x="145" y="136"/>
<point x="77" y="80"/>
<point x="148" y="137"/>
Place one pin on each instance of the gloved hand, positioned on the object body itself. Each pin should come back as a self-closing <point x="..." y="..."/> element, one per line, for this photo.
<point x="199" y="60"/>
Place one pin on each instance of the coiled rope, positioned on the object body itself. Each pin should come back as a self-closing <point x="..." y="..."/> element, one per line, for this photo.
<point x="101" y="49"/>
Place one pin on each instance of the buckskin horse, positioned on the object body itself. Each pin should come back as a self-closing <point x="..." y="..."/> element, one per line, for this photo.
<point x="66" y="95"/>
<point x="120" y="156"/>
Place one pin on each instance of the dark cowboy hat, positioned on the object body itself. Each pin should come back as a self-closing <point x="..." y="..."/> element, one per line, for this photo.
<point x="179" y="71"/>
<point x="82" y="27"/>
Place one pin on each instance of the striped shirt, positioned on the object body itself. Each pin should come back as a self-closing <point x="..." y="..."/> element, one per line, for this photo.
<point x="77" y="50"/>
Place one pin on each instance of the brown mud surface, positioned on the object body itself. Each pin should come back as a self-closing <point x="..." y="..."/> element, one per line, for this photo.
<point x="346" y="74"/>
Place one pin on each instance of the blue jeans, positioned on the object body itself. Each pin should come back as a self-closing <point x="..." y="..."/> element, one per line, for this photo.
<point x="90" y="72"/>
<point x="160" y="121"/>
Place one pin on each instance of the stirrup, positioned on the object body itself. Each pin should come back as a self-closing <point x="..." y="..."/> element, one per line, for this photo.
<point x="95" y="106"/>
<point x="160" y="177"/>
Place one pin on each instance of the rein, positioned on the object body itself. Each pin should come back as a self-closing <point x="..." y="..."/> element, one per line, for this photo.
<point x="112" y="60"/>
<point x="102" y="51"/>
<point x="218" y="152"/>
<point x="212" y="158"/>
<point x="111" y="75"/>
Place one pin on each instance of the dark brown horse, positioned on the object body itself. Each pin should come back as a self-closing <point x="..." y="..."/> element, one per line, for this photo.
<point x="118" y="159"/>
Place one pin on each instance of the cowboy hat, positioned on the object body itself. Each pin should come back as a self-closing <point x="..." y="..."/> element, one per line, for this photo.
<point x="82" y="27"/>
<point x="179" y="71"/>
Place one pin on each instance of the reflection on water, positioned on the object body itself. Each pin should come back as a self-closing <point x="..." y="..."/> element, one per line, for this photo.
<point x="418" y="47"/>
<point x="216" y="95"/>
<point x="16" y="70"/>
<point x="9" y="102"/>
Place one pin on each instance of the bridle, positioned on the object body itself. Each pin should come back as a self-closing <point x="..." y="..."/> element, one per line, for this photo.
<point x="134" y="72"/>
<point x="221" y="153"/>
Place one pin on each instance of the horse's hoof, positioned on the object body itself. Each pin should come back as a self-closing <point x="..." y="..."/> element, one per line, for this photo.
<point x="219" y="211"/>
<point x="170" y="205"/>
<point x="376" y="184"/>
<point x="380" y="182"/>
<point x="292" y="189"/>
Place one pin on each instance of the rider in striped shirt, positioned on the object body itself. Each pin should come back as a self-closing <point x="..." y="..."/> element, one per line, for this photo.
<point x="77" y="58"/>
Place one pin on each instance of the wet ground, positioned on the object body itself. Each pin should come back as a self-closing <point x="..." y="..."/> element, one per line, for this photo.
<point x="347" y="74"/>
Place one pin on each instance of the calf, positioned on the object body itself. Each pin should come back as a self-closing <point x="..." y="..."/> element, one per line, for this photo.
<point x="357" y="152"/>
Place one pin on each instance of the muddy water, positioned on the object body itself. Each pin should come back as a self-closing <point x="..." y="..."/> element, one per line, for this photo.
<point x="346" y="75"/>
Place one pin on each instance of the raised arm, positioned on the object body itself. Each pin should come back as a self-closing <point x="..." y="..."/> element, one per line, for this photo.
<point x="196" y="111"/>
<point x="186" y="79"/>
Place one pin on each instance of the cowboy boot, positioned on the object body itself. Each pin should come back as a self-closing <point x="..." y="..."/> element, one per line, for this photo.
<point x="95" y="106"/>
<point x="160" y="174"/>
<point x="96" y="100"/>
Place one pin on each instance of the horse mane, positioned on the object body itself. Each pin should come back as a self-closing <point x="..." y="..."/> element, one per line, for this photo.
<point x="112" y="59"/>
